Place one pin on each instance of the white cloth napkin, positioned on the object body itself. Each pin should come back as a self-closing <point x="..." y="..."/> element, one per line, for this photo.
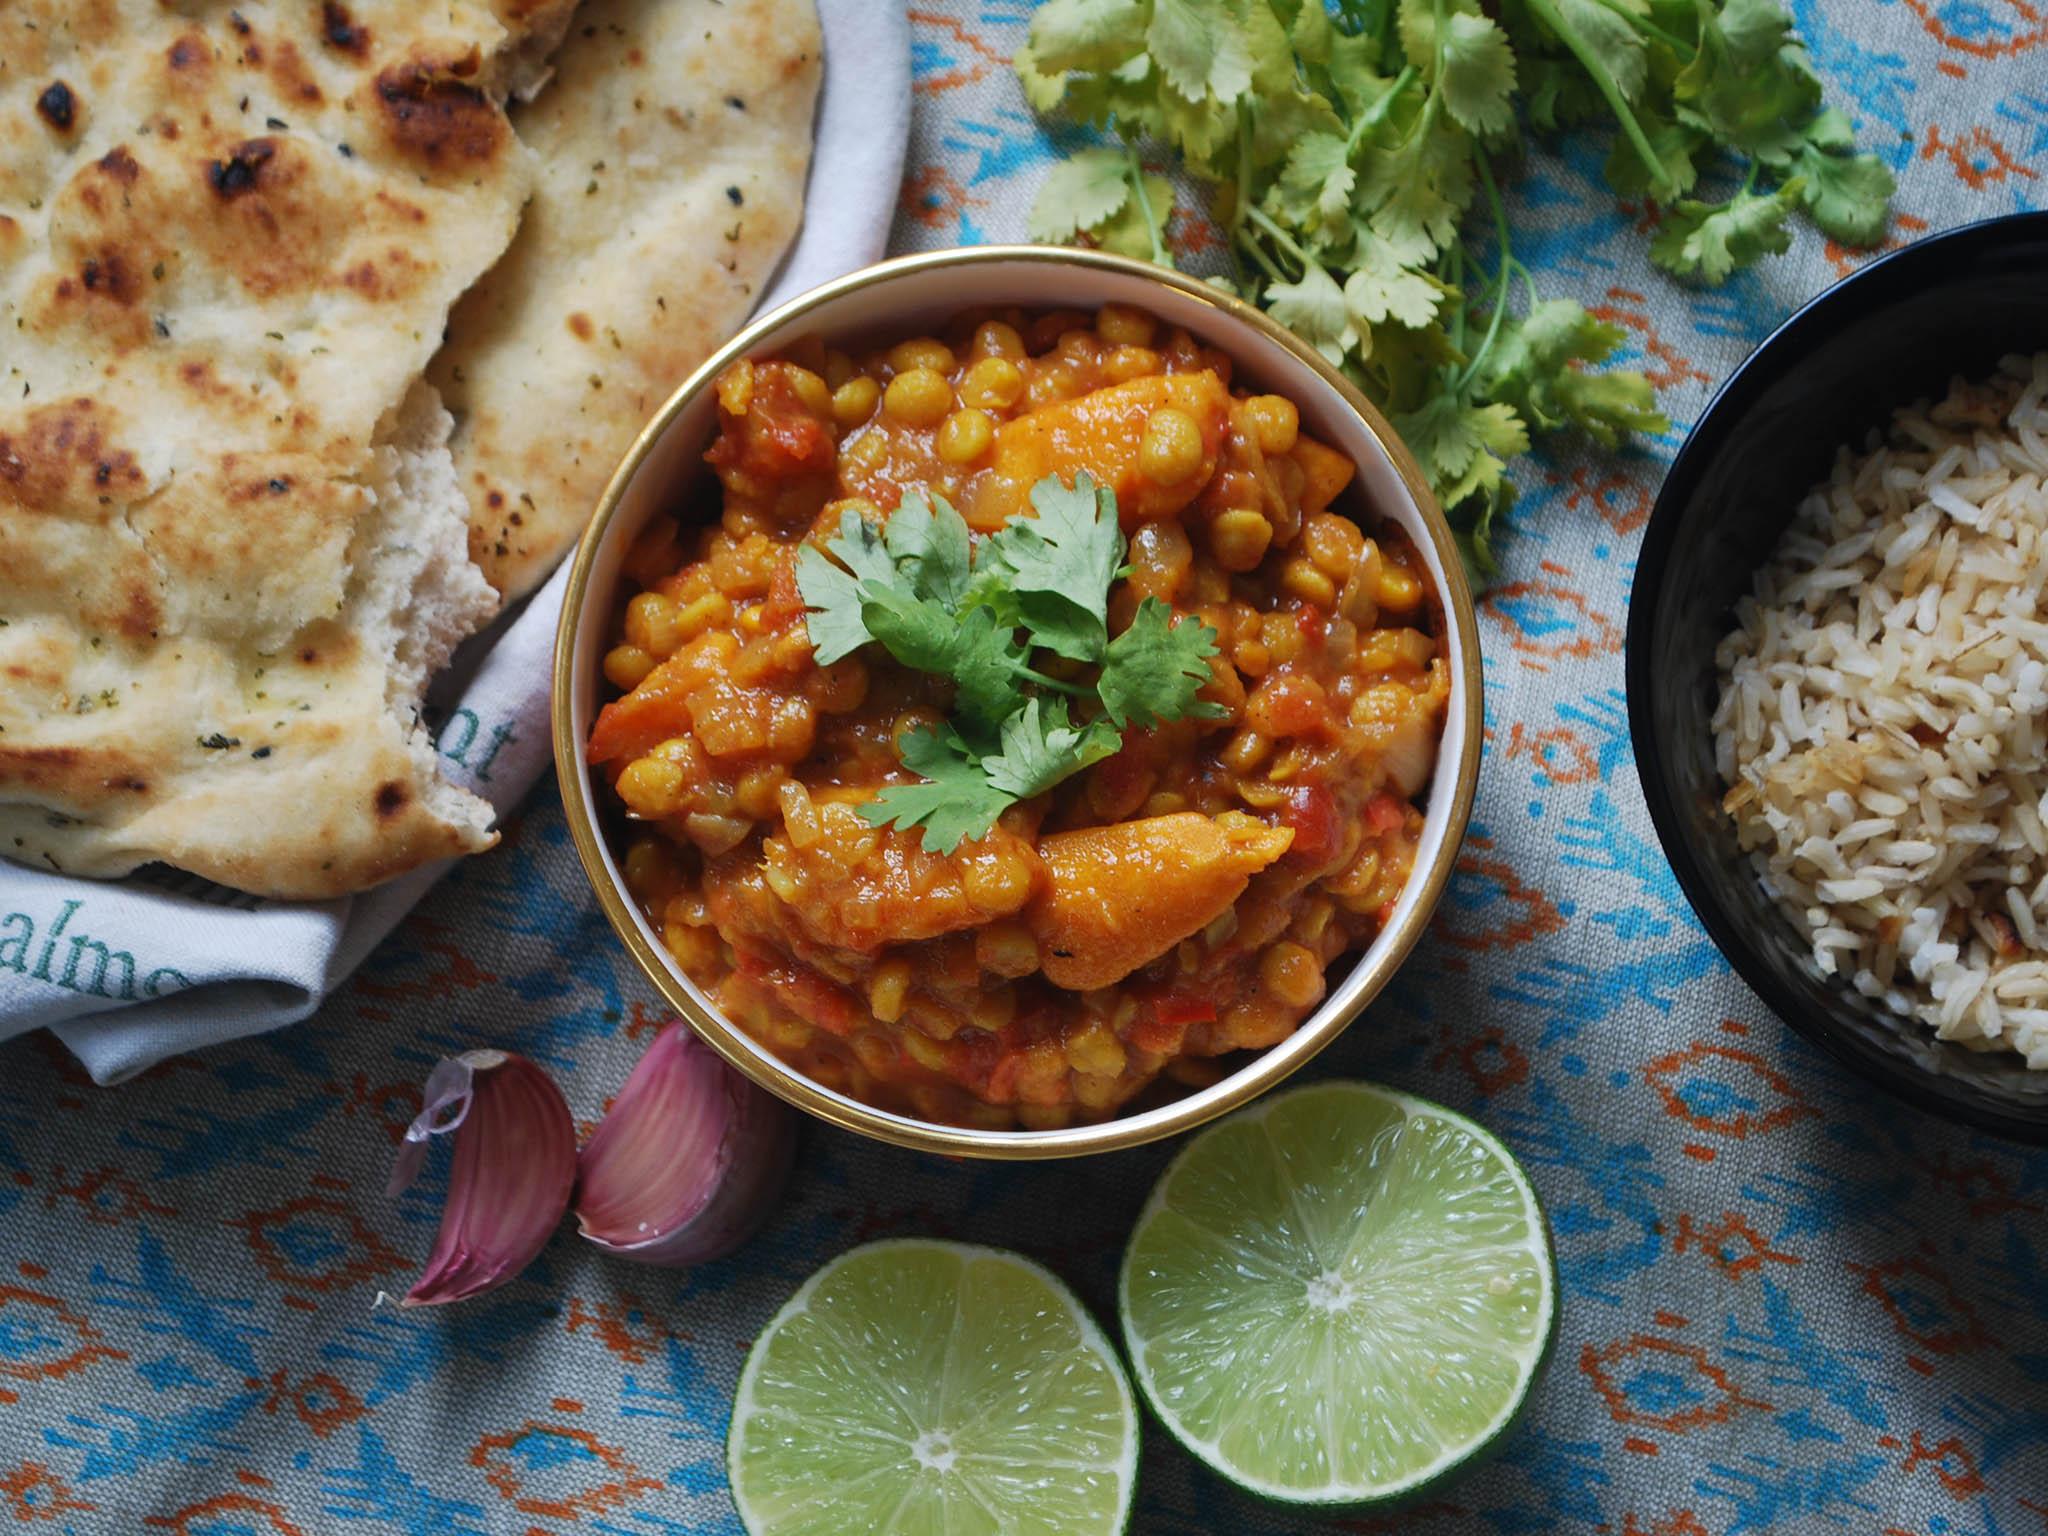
<point x="207" y="967"/>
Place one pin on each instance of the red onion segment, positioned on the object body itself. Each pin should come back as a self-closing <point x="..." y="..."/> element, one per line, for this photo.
<point x="688" y="1162"/>
<point x="515" y="1164"/>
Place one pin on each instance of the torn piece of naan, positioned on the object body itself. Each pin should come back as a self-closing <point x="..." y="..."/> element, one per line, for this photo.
<point x="232" y="546"/>
<point x="673" y="145"/>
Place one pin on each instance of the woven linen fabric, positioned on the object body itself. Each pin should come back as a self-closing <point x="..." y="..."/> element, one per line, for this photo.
<point x="1789" y="1304"/>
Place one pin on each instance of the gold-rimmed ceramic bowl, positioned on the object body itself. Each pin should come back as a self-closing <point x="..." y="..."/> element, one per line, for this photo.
<point x="899" y="298"/>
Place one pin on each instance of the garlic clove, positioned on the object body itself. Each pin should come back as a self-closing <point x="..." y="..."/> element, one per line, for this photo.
<point x="687" y="1164"/>
<point x="515" y="1165"/>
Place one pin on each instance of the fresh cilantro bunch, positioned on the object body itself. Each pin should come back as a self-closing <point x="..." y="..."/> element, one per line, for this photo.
<point x="1349" y="142"/>
<point x="920" y="589"/>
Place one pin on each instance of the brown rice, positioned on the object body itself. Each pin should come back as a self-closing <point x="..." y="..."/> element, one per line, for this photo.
<point x="1881" y="715"/>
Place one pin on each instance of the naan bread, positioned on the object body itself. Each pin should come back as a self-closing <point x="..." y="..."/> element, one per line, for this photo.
<point x="231" y="542"/>
<point x="673" y="145"/>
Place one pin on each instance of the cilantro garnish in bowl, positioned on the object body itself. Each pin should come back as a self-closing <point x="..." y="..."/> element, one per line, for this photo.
<point x="1348" y="142"/>
<point x="922" y="590"/>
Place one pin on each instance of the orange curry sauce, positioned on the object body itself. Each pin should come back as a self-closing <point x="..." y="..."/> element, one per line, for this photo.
<point x="1173" y="903"/>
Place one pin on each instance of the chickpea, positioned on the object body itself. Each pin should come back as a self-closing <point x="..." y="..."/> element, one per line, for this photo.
<point x="1398" y="591"/>
<point x="993" y="1008"/>
<point x="811" y="390"/>
<point x="1127" y="363"/>
<point x="992" y="382"/>
<point x="854" y="401"/>
<point x="838" y="368"/>
<point x="1239" y="538"/>
<point x="996" y="879"/>
<point x="1051" y="385"/>
<point x="864" y="455"/>
<point x="1246" y="751"/>
<point x="965" y="437"/>
<point x="925" y="1051"/>
<point x="1252" y="658"/>
<point x="1095" y="1049"/>
<point x="651" y="624"/>
<point x="1291" y="975"/>
<point x="1122" y="326"/>
<point x="1282" y="636"/>
<point x="627" y="666"/>
<point x="1300" y="578"/>
<point x="888" y="989"/>
<point x="918" y="397"/>
<point x="921" y="352"/>
<point x="1334" y="543"/>
<point x="651" y="786"/>
<point x="1171" y="451"/>
<point x="1275" y="422"/>
<point x="758" y="792"/>
<point x="995" y="339"/>
<point x="1006" y="949"/>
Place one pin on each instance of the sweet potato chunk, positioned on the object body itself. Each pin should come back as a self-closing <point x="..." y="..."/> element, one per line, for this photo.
<point x="1100" y="432"/>
<point x="1121" y="895"/>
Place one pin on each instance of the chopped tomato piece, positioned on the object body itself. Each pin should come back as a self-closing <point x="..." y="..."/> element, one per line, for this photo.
<point x="1383" y="813"/>
<point x="1318" y="830"/>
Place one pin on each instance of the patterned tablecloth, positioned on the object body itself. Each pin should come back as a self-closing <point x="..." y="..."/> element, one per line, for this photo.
<point x="1789" y="1304"/>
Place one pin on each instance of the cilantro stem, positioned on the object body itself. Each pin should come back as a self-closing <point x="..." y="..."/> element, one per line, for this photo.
<point x="1603" y="79"/>
<point x="1376" y="114"/>
<point x="1072" y="690"/>
<point x="1281" y="238"/>
<point x="1253" y="249"/>
<point x="1678" y="45"/>
<point x="1507" y="265"/>
<point x="1134" y="171"/>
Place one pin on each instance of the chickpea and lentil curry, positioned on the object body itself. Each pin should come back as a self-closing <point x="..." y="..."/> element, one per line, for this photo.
<point x="1174" y="901"/>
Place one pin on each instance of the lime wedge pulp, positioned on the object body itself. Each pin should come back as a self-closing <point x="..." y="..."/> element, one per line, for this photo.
<point x="916" y="1388"/>
<point x="1340" y="1295"/>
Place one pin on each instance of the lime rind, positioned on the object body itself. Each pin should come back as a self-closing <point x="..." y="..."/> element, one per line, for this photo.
<point x="1441" y="1341"/>
<point x="923" y="1388"/>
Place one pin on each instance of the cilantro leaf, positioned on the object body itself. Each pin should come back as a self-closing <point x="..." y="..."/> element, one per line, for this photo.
<point x="1318" y="178"/>
<point x="986" y="668"/>
<point x="1531" y="369"/>
<point x="1134" y="230"/>
<point x="1080" y="193"/>
<point x="1675" y="145"/>
<point x="1463" y="446"/>
<point x="1042" y="746"/>
<point x="928" y="541"/>
<point x="955" y="802"/>
<point x="1478" y="76"/>
<point x="1748" y="86"/>
<point x="1382" y="289"/>
<point x="1314" y="309"/>
<point x="1155" y="668"/>
<point x="833" y="592"/>
<point x="917" y="633"/>
<point x="1200" y="49"/>
<point x="1848" y="196"/>
<point x="1058" y="565"/>
<point x="1708" y="241"/>
<point x="1086" y="34"/>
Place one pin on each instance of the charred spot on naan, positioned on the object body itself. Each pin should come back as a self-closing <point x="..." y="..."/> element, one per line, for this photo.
<point x="59" y="456"/>
<point x="342" y="32"/>
<point x="435" y="110"/>
<point x="58" y="106"/>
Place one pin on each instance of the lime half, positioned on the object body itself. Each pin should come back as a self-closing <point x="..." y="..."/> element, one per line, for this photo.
<point x="933" y="1389"/>
<point x="1340" y="1295"/>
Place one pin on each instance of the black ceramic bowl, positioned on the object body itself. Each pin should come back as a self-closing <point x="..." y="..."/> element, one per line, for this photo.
<point x="1896" y="330"/>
